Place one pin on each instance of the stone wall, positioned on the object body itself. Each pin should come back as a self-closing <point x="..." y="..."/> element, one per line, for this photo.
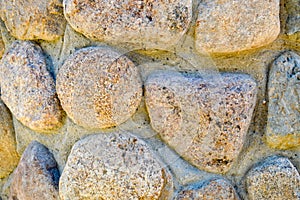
<point x="150" y="99"/>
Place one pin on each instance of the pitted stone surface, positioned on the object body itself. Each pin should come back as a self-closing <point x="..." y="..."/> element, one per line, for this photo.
<point x="204" y="119"/>
<point x="2" y="47"/>
<point x="274" y="178"/>
<point x="209" y="190"/>
<point x="227" y="26"/>
<point x="36" y="176"/>
<point x="99" y="87"/>
<point x="28" y="89"/>
<point x="150" y="24"/>
<point x="293" y="20"/>
<point x="283" y="128"/>
<point x="8" y="154"/>
<point x="33" y="19"/>
<point x="114" y="166"/>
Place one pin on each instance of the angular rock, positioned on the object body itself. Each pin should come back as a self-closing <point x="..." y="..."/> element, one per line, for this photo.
<point x="33" y="19"/>
<point x="8" y="155"/>
<point x="209" y="190"/>
<point x="204" y="119"/>
<point x="99" y="87"/>
<point x="28" y="89"/>
<point x="228" y="26"/>
<point x="114" y="166"/>
<point x="2" y="47"/>
<point x="274" y="178"/>
<point x="150" y="24"/>
<point x="36" y="176"/>
<point x="293" y="20"/>
<point x="283" y="128"/>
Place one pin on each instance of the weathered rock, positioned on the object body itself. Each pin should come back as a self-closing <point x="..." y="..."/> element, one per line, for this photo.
<point x="36" y="176"/>
<point x="99" y="88"/>
<point x="283" y="128"/>
<point x="8" y="154"/>
<point x="209" y="190"/>
<point x="114" y="166"/>
<point x="227" y="26"/>
<point x="28" y="89"/>
<point x="274" y="178"/>
<point x="293" y="20"/>
<point x="204" y="119"/>
<point x="2" y="47"/>
<point x="33" y="19"/>
<point x="150" y="24"/>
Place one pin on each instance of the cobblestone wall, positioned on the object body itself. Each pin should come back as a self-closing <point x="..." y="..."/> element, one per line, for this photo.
<point x="150" y="99"/>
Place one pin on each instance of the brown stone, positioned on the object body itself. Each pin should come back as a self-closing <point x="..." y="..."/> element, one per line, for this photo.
<point x="28" y="88"/>
<point x="2" y="47"/>
<point x="36" y="176"/>
<point x="99" y="87"/>
<point x="114" y="166"/>
<point x="33" y="19"/>
<point x="204" y="119"/>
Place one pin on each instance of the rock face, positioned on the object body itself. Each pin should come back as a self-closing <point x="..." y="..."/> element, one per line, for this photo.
<point x="33" y="19"/>
<point x="209" y="190"/>
<point x="154" y="23"/>
<point x="293" y="20"/>
<point x="114" y="166"/>
<point x="36" y="176"/>
<point x="227" y="26"/>
<point x="205" y="120"/>
<point x="2" y="47"/>
<point x="274" y="178"/>
<point x="28" y="89"/>
<point x="99" y="88"/>
<point x="8" y="155"/>
<point x="283" y="129"/>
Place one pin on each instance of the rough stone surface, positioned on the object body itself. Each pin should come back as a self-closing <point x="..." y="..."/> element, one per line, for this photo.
<point x="28" y="89"/>
<point x="114" y="166"/>
<point x="36" y="176"/>
<point x="33" y="19"/>
<point x="283" y="129"/>
<point x="274" y="178"/>
<point x="209" y="190"/>
<point x="2" y="47"/>
<point x="205" y="119"/>
<point x="154" y="23"/>
<point x="293" y="20"/>
<point x="99" y="88"/>
<point x="227" y="26"/>
<point x="8" y="155"/>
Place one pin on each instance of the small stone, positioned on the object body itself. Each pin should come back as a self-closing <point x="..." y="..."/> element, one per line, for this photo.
<point x="28" y="89"/>
<point x="228" y="26"/>
<point x="283" y="128"/>
<point x="209" y="190"/>
<point x="293" y="19"/>
<point x="204" y="119"/>
<point x="33" y="19"/>
<point x="150" y="24"/>
<point x="8" y="155"/>
<point x="2" y="47"/>
<point x="36" y="176"/>
<point x="274" y="178"/>
<point x="114" y="166"/>
<point x="99" y="87"/>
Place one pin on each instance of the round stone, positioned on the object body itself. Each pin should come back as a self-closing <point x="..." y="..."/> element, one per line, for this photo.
<point x="99" y="87"/>
<point x="114" y="166"/>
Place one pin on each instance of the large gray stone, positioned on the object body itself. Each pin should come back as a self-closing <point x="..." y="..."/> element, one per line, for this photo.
<point x="8" y="155"/>
<point x="114" y="166"/>
<point x="99" y="87"/>
<point x="204" y="119"/>
<point x="150" y="24"/>
<point x="283" y="128"/>
<point x="228" y="26"/>
<point x="212" y="189"/>
<point x="33" y="19"/>
<point x="28" y="89"/>
<point x="274" y="178"/>
<point x="36" y="176"/>
<point x="293" y="20"/>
